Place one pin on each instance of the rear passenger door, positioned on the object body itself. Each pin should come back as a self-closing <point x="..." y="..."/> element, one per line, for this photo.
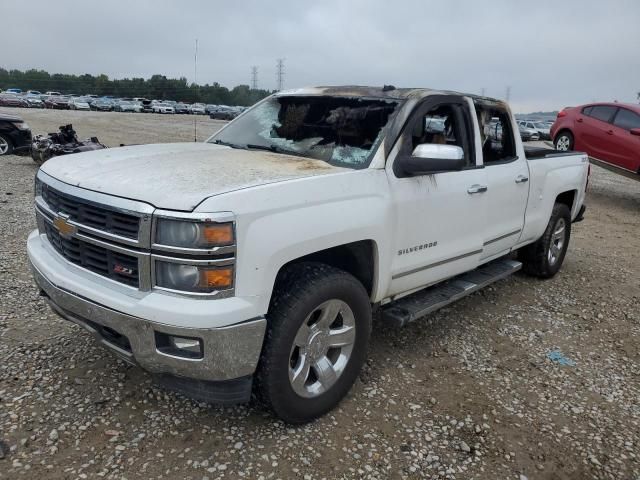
<point x="507" y="175"/>
<point x="595" y="131"/>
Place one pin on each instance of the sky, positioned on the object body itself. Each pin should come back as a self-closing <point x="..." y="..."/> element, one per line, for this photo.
<point x="551" y="54"/>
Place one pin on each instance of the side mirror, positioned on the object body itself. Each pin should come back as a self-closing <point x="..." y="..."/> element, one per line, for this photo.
<point x="433" y="158"/>
<point x="635" y="131"/>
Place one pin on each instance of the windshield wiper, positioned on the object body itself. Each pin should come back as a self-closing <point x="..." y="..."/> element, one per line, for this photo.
<point x="226" y="144"/>
<point x="273" y="148"/>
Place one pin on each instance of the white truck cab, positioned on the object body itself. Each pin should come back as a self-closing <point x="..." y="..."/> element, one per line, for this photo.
<point x="252" y="262"/>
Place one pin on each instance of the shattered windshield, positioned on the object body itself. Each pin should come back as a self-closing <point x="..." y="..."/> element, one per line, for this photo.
<point x="338" y="130"/>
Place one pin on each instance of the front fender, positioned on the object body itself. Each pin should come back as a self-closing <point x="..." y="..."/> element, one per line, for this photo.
<point x="281" y="222"/>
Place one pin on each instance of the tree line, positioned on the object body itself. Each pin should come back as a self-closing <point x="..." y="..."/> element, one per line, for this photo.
<point x="157" y="87"/>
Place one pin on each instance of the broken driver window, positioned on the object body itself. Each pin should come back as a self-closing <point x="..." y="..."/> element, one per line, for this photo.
<point x="338" y="130"/>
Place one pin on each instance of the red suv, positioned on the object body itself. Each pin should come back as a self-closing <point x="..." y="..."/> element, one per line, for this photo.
<point x="609" y="132"/>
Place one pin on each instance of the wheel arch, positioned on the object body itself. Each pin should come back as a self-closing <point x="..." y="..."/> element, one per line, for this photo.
<point x="567" y="198"/>
<point x="356" y="258"/>
<point x="562" y="130"/>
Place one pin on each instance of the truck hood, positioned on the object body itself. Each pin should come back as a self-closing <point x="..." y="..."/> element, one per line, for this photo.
<point x="179" y="176"/>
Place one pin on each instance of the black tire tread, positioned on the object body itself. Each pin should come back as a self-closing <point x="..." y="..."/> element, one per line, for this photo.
<point x="534" y="256"/>
<point x="8" y="140"/>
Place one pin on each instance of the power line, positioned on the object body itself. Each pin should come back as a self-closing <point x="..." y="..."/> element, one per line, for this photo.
<point x="254" y="77"/>
<point x="280" y="73"/>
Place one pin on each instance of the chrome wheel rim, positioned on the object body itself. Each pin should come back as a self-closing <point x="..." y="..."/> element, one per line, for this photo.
<point x="322" y="348"/>
<point x="4" y="146"/>
<point x="557" y="241"/>
<point x="563" y="143"/>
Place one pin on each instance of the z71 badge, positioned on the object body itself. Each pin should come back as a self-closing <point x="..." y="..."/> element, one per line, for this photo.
<point x="417" y="248"/>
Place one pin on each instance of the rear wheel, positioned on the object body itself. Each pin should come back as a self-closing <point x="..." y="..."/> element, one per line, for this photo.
<point x="6" y="147"/>
<point x="316" y="341"/>
<point x="544" y="258"/>
<point x="564" y="141"/>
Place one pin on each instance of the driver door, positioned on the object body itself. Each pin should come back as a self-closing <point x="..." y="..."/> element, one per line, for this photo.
<point x="439" y="217"/>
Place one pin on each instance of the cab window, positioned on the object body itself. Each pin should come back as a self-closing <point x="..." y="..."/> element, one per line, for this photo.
<point x="496" y="134"/>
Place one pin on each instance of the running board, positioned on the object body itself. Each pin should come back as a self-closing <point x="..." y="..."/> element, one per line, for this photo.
<point x="423" y="302"/>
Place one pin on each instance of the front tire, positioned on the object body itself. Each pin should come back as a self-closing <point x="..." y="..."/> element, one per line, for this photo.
<point x="563" y="141"/>
<point x="319" y="323"/>
<point x="6" y="146"/>
<point x="544" y="258"/>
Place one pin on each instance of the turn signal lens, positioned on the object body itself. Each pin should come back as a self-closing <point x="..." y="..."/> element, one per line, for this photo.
<point x="218" y="234"/>
<point x="220" y="278"/>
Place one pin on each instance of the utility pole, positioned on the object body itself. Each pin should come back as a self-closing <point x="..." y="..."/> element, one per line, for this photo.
<point x="254" y="77"/>
<point x="280" y="74"/>
<point x="195" y="81"/>
<point x="508" y="94"/>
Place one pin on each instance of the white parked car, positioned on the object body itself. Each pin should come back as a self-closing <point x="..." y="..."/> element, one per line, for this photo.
<point x="162" y="108"/>
<point x="127" y="106"/>
<point x="197" y="109"/>
<point x="254" y="261"/>
<point x="79" y="103"/>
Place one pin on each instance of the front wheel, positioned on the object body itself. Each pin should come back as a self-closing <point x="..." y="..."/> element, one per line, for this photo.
<point x="6" y="147"/>
<point x="544" y="258"/>
<point x="319" y="324"/>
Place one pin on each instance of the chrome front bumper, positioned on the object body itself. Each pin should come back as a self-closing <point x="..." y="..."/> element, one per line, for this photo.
<point x="229" y="352"/>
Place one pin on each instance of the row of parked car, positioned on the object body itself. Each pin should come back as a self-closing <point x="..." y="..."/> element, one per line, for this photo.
<point x="532" y="130"/>
<point x="55" y="100"/>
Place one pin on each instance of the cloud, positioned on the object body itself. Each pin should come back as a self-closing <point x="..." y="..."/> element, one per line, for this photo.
<point x="551" y="54"/>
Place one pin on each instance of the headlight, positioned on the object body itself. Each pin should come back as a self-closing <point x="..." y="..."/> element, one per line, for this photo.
<point x="37" y="187"/>
<point x="193" y="278"/>
<point x="187" y="234"/>
<point x="22" y="126"/>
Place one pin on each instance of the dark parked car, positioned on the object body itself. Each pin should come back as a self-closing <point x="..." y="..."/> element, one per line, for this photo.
<point x="57" y="102"/>
<point x="15" y="135"/>
<point x="11" y="100"/>
<point x="102" y="105"/>
<point x="608" y="132"/>
<point x="224" y="113"/>
<point x="181" y="108"/>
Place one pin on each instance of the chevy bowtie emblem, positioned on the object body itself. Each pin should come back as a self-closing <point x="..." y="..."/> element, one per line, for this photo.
<point x="63" y="226"/>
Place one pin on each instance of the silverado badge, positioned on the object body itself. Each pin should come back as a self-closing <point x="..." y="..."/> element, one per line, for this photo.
<point x="61" y="222"/>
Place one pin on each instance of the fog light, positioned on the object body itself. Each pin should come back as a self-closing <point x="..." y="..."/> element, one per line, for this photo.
<point x="186" y="347"/>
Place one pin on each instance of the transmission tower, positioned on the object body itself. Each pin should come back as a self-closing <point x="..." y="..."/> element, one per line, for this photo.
<point x="508" y="94"/>
<point x="280" y="74"/>
<point x="254" y="77"/>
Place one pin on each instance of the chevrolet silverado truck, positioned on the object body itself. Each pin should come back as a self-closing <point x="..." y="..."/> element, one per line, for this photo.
<point x="251" y="263"/>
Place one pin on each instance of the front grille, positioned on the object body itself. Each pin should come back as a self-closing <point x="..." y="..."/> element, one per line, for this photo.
<point x="91" y="215"/>
<point x="107" y="263"/>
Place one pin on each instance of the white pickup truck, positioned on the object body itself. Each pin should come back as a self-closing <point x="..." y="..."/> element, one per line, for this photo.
<point x="253" y="262"/>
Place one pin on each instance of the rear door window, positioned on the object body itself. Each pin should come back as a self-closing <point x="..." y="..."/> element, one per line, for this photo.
<point x="602" y="112"/>
<point x="627" y="119"/>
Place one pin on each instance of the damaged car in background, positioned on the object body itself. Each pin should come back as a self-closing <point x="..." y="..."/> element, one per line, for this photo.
<point x="15" y="135"/>
<point x="63" y="142"/>
<point x="253" y="262"/>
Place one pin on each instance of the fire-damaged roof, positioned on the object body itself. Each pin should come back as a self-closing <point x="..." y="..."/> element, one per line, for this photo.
<point x="388" y="92"/>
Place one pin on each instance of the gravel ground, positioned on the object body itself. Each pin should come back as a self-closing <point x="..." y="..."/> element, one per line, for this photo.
<point x="467" y="392"/>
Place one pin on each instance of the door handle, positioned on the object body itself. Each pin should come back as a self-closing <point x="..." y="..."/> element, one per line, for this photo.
<point x="579" y="120"/>
<point x="610" y="132"/>
<point x="522" y="179"/>
<point x="476" y="189"/>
